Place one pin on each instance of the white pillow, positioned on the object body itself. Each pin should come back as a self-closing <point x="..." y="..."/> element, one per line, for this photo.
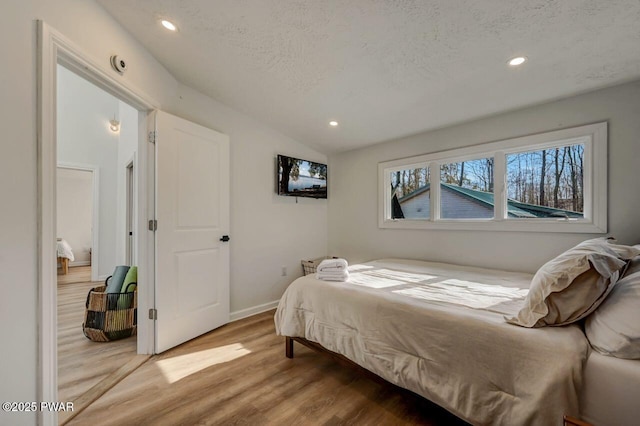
<point x="634" y="265"/>
<point x="571" y="286"/>
<point x="614" y="328"/>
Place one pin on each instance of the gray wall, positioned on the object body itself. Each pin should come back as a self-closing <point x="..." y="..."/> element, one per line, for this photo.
<point x="353" y="205"/>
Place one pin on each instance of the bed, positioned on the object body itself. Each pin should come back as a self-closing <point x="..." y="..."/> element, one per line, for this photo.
<point x="611" y="391"/>
<point x="65" y="255"/>
<point x="439" y="330"/>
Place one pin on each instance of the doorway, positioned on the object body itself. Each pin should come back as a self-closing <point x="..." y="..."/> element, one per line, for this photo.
<point x="53" y="50"/>
<point x="77" y="219"/>
<point x="192" y="210"/>
<point x="96" y="133"/>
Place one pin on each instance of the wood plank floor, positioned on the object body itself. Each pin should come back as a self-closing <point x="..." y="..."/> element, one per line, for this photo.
<point x="77" y="274"/>
<point x="83" y="363"/>
<point x="238" y="374"/>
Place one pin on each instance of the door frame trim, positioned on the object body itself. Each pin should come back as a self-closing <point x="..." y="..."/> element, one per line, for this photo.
<point x="53" y="49"/>
<point x="130" y="210"/>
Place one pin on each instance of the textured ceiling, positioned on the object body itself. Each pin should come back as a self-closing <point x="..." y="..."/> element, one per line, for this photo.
<point x="386" y="68"/>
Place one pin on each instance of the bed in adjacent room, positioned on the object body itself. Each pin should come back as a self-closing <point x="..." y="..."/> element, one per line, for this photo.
<point x="439" y="330"/>
<point x="65" y="254"/>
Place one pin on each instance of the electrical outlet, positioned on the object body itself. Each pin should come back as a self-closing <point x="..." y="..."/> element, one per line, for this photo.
<point x="284" y="271"/>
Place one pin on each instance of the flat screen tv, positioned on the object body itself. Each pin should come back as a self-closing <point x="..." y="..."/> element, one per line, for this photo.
<point x="301" y="178"/>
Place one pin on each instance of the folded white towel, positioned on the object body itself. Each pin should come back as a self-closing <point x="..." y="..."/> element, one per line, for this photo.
<point x="333" y="276"/>
<point x="342" y="279"/>
<point x="332" y="269"/>
<point x="333" y="265"/>
<point x="341" y="272"/>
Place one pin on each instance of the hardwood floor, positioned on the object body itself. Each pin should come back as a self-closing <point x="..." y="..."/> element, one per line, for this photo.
<point x="238" y="374"/>
<point x="76" y="274"/>
<point x="82" y="364"/>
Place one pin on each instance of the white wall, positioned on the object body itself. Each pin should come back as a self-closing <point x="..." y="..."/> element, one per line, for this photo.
<point x="353" y="206"/>
<point x="266" y="232"/>
<point x="84" y="138"/>
<point x="74" y="208"/>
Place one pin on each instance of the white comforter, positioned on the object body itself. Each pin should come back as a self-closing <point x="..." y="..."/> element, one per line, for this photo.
<point x="64" y="250"/>
<point x="438" y="330"/>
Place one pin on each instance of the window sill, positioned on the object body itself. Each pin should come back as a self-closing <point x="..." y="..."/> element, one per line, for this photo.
<point x="510" y="225"/>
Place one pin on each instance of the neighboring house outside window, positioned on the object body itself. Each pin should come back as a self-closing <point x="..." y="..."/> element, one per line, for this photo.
<point x="464" y="203"/>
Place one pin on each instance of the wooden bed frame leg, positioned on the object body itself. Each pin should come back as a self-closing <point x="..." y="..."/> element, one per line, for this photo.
<point x="288" y="347"/>
<point x="64" y="265"/>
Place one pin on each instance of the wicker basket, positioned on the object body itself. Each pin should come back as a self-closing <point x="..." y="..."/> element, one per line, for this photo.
<point x="310" y="266"/>
<point x="110" y="316"/>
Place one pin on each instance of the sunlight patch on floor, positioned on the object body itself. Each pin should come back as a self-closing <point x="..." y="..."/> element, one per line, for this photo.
<point x="181" y="366"/>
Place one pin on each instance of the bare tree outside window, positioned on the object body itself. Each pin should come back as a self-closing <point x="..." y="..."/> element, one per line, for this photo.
<point x="548" y="178"/>
<point x="404" y="182"/>
<point x="472" y="174"/>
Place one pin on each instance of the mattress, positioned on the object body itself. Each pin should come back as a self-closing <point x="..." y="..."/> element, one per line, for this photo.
<point x="439" y="330"/>
<point x="611" y="391"/>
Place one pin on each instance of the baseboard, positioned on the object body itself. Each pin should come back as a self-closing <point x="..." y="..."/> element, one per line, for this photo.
<point x="244" y="313"/>
<point x="80" y="263"/>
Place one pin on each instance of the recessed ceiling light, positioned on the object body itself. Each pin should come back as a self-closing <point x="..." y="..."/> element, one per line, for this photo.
<point x="519" y="60"/>
<point x="168" y="25"/>
<point x="333" y="123"/>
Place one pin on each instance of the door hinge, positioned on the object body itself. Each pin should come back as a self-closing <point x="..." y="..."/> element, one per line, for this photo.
<point x="152" y="137"/>
<point x="153" y="225"/>
<point x="153" y="314"/>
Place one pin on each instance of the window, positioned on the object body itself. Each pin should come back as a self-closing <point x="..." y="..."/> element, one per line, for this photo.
<point x="546" y="182"/>
<point x="549" y="182"/>
<point x="410" y="193"/>
<point x="466" y="189"/>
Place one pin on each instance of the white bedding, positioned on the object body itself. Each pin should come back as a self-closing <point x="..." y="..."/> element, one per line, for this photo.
<point x="611" y="391"/>
<point x="64" y="250"/>
<point x="438" y="330"/>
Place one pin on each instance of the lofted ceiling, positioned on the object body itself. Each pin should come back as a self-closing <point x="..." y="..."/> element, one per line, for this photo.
<point x="385" y="68"/>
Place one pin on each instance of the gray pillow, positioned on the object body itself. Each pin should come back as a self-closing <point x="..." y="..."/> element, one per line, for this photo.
<point x="572" y="285"/>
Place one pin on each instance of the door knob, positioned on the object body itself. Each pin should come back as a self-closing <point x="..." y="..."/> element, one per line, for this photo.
<point x="225" y="238"/>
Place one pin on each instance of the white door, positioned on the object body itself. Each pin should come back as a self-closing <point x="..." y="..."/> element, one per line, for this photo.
<point x="192" y="213"/>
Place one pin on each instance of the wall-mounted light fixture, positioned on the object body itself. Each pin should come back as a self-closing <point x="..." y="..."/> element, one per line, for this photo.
<point x="114" y="125"/>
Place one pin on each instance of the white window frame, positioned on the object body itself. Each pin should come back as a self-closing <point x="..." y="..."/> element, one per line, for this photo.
<point x="592" y="136"/>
